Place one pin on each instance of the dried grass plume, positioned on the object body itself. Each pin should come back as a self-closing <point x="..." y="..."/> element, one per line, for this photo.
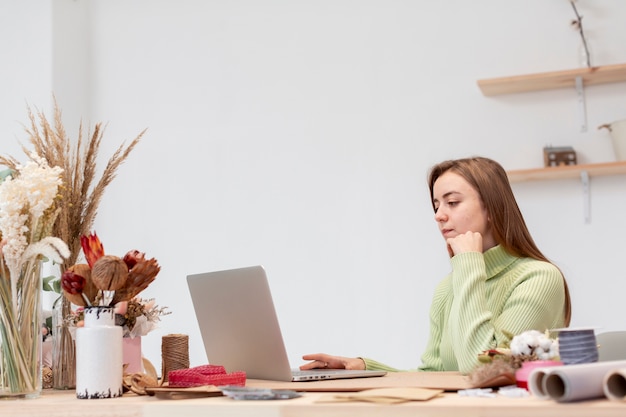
<point x="81" y="192"/>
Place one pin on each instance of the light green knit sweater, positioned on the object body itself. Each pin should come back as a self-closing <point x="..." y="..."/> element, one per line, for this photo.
<point x="486" y="295"/>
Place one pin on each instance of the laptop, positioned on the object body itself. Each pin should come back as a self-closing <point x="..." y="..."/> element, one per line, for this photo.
<point x="240" y="329"/>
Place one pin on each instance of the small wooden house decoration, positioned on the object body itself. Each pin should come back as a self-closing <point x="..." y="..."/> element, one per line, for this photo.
<point x="558" y="156"/>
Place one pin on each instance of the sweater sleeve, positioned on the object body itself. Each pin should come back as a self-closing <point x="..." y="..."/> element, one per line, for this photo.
<point x="533" y="301"/>
<point x="431" y="358"/>
<point x="371" y="364"/>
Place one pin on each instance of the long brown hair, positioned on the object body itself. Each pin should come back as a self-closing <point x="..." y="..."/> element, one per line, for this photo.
<point x="490" y="180"/>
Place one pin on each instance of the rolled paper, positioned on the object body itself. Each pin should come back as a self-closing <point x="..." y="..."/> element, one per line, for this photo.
<point x="572" y="382"/>
<point x="535" y="382"/>
<point x="614" y="385"/>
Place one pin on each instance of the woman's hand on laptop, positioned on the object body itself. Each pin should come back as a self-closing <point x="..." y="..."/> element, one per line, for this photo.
<point x="324" y="361"/>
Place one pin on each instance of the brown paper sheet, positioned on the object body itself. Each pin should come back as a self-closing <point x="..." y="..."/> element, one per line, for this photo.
<point x="385" y="395"/>
<point x="174" y="393"/>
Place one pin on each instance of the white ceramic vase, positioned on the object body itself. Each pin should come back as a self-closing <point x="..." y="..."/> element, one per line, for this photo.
<point x="618" y="137"/>
<point x="99" y="355"/>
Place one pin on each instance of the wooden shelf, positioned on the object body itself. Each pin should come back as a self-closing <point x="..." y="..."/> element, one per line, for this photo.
<point x="576" y="79"/>
<point x="569" y="171"/>
<point x="552" y="80"/>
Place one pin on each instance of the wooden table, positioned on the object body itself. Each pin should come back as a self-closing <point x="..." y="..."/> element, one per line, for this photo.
<point x="54" y="403"/>
<point x="59" y="403"/>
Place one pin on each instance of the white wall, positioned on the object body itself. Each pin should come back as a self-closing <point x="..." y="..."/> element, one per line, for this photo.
<point x="26" y="70"/>
<point x="298" y="135"/>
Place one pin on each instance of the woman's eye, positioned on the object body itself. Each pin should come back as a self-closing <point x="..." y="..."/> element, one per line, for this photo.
<point x="453" y="203"/>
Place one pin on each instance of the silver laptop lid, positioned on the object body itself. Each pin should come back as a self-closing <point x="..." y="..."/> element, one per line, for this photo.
<point x="238" y="322"/>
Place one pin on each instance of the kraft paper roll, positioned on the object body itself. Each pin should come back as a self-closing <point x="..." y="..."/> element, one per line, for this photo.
<point x="615" y="385"/>
<point x="535" y="382"/>
<point x="572" y="382"/>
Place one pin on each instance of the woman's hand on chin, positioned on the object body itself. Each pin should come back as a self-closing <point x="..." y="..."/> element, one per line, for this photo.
<point x="324" y="361"/>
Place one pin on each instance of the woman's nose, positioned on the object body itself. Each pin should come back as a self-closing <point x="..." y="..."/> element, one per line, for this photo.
<point x="440" y="215"/>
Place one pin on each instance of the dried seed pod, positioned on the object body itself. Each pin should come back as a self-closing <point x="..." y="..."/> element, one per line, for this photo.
<point x="90" y="290"/>
<point x="72" y="285"/>
<point x="139" y="277"/>
<point x="132" y="257"/>
<point x="109" y="273"/>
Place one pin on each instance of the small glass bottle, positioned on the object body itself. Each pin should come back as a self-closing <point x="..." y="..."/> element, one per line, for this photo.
<point x="63" y="350"/>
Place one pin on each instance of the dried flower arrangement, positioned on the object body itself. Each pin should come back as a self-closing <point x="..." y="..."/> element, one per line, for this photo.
<point x="138" y="316"/>
<point x="107" y="280"/>
<point x="28" y="209"/>
<point x="531" y="345"/>
<point x="81" y="192"/>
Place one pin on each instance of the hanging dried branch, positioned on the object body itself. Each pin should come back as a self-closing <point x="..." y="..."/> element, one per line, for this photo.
<point x="578" y="25"/>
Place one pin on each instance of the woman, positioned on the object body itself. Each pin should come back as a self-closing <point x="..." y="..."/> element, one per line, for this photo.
<point x="500" y="284"/>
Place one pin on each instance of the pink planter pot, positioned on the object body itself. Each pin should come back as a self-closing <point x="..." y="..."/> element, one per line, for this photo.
<point x="131" y="353"/>
<point x="521" y="376"/>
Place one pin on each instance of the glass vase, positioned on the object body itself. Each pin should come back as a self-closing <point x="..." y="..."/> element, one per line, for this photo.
<point x="21" y="338"/>
<point x="64" y="350"/>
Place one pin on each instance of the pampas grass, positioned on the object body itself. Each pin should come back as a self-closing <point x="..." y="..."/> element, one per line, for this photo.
<point x="82" y="191"/>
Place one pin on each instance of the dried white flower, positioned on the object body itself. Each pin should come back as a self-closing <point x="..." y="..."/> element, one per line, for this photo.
<point x="535" y="342"/>
<point x="51" y="247"/>
<point x="23" y="201"/>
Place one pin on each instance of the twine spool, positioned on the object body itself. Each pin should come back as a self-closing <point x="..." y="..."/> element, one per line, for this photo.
<point x="577" y="346"/>
<point x="174" y="354"/>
